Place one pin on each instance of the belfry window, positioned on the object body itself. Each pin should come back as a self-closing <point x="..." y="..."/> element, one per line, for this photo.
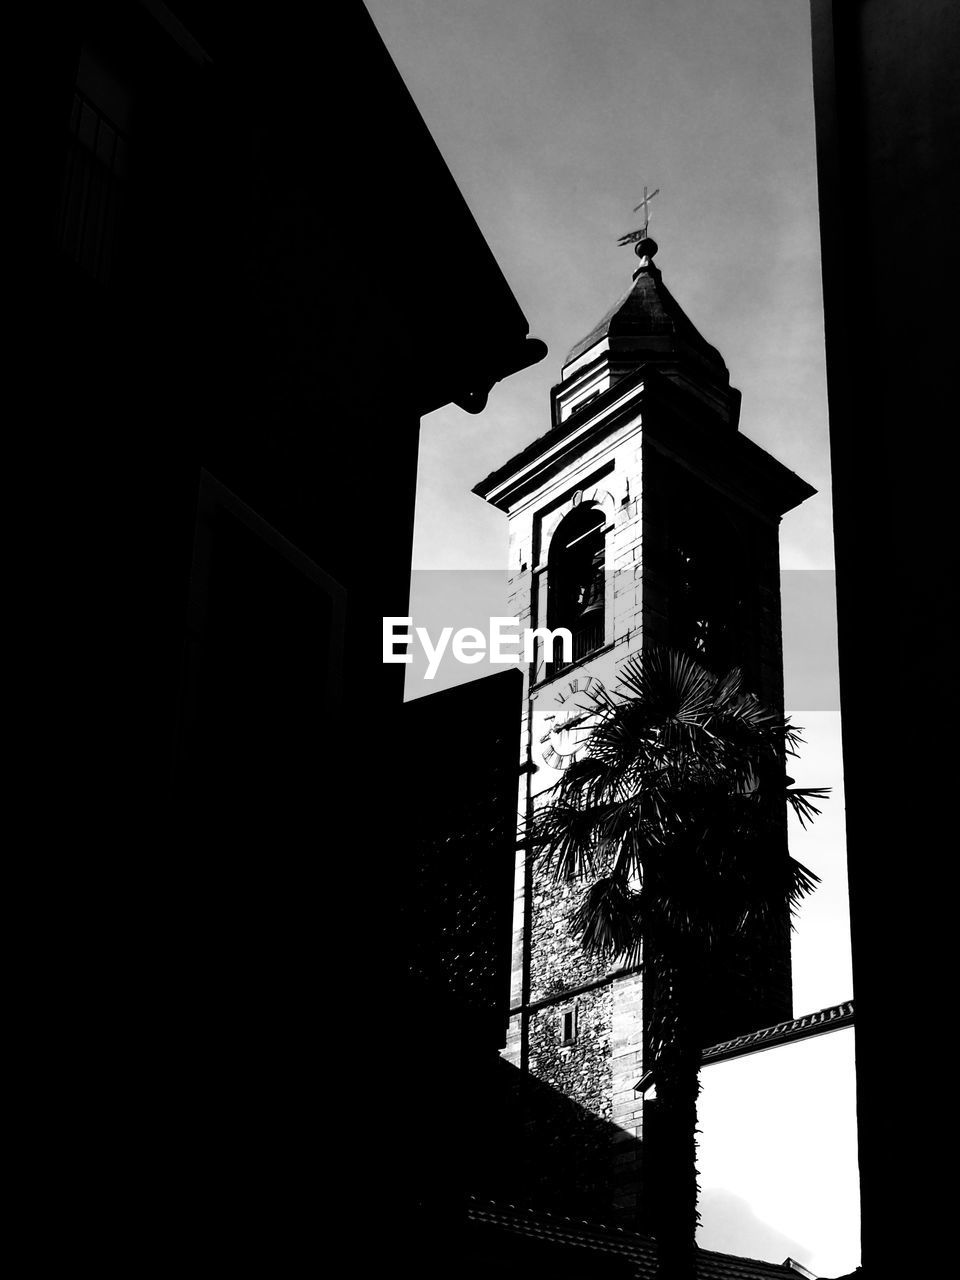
<point x="576" y="581"/>
<point x="710" y="612"/>
<point x="702" y="606"/>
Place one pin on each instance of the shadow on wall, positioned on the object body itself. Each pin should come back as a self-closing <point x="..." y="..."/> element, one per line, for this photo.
<point x="561" y="1157"/>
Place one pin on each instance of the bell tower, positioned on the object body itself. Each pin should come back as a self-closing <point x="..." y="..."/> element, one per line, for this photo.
<point x="640" y="516"/>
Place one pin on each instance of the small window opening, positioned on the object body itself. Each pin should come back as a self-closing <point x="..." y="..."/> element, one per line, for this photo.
<point x="568" y="1020"/>
<point x="96" y="168"/>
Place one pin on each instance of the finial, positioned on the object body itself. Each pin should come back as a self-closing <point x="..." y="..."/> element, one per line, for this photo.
<point x="644" y="247"/>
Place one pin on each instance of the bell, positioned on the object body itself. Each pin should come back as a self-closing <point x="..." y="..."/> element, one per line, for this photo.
<point x="592" y="602"/>
<point x="591" y="593"/>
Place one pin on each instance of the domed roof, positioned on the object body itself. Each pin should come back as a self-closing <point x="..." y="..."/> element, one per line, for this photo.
<point x="647" y="323"/>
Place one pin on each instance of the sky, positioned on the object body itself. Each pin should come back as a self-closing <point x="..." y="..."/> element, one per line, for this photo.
<point x="552" y="115"/>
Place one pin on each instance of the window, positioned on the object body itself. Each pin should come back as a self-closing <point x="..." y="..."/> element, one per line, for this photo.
<point x="703" y="603"/>
<point x="708" y="567"/>
<point x="568" y="1024"/>
<point x="96" y="168"/>
<point x="576" y="581"/>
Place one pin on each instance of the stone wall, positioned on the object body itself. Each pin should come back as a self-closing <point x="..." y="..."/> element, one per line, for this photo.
<point x="583" y="1118"/>
<point x="596" y="1154"/>
<point x="588" y="1140"/>
<point x="557" y="960"/>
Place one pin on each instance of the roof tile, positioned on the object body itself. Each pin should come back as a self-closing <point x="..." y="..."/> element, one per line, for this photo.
<point x="641" y="1250"/>
<point x="828" y="1019"/>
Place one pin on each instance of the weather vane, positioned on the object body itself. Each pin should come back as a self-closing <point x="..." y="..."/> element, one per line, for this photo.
<point x="641" y="233"/>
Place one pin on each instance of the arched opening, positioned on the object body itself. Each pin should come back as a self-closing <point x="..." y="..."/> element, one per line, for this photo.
<point x="575" y="581"/>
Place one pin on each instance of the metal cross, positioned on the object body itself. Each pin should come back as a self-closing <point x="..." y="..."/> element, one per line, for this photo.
<point x="640" y="234"/>
<point x="643" y="205"/>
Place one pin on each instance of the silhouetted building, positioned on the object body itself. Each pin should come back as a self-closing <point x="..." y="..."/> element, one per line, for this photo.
<point x="259" y="275"/>
<point x="888" y="118"/>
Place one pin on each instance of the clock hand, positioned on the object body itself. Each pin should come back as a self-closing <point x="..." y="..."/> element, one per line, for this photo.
<point x="574" y="722"/>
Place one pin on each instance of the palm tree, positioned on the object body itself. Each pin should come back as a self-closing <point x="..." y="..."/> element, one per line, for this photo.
<point x="674" y="816"/>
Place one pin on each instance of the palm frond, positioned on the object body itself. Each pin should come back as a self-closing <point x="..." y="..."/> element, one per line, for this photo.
<point x="681" y="790"/>
<point x="608" y="919"/>
<point x="801" y="800"/>
<point x="568" y="837"/>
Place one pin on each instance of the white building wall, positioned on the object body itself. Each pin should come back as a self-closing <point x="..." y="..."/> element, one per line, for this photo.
<point x="778" y="1155"/>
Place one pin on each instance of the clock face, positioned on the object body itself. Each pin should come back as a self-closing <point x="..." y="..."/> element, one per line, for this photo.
<point x="570" y="721"/>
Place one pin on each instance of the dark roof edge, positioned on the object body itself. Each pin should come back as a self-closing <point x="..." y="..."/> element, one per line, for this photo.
<point x="467" y="383"/>
<point x="793" y="487"/>
<point x="601" y="1236"/>
<point x="832" y="1018"/>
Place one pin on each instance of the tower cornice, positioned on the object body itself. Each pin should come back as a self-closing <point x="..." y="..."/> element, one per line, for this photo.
<point x="677" y="422"/>
<point x="549" y="453"/>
